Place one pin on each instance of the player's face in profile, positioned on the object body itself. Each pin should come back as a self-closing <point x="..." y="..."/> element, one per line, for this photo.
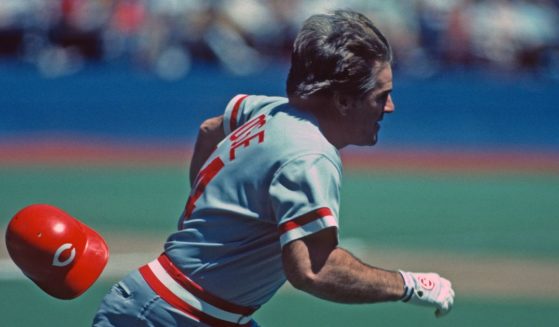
<point x="369" y="110"/>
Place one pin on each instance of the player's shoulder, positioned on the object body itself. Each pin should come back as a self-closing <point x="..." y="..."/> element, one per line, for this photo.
<point x="264" y="100"/>
<point x="254" y="103"/>
<point x="296" y="133"/>
<point x="243" y="107"/>
<point x="290" y="132"/>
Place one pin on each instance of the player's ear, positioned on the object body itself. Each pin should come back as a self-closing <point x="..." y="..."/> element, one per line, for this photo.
<point x="341" y="103"/>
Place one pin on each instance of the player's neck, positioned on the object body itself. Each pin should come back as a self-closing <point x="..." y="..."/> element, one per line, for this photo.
<point x="328" y="120"/>
<point x="331" y="129"/>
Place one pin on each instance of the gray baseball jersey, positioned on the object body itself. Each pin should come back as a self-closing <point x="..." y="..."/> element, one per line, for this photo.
<point x="272" y="180"/>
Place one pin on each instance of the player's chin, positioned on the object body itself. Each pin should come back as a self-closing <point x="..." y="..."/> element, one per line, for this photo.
<point x="373" y="138"/>
<point x="374" y="135"/>
<point x="366" y="137"/>
<point x="369" y="141"/>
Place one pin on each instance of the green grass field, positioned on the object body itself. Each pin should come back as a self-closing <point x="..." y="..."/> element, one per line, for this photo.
<point x="23" y="304"/>
<point x="512" y="215"/>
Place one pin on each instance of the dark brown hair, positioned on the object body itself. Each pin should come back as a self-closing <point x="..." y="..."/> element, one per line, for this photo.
<point x="336" y="52"/>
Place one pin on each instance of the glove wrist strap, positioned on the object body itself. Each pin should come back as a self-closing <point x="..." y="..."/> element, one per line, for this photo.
<point x="408" y="285"/>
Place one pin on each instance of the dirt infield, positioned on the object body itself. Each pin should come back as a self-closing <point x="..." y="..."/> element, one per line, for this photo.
<point x="473" y="275"/>
<point x="477" y="275"/>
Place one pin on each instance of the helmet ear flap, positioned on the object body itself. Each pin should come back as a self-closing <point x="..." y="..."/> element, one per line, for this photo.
<point x="59" y="253"/>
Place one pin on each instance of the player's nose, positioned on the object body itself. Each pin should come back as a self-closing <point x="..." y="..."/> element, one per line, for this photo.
<point x="389" y="106"/>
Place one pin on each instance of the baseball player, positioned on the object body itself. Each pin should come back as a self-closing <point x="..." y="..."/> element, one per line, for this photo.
<point x="264" y="205"/>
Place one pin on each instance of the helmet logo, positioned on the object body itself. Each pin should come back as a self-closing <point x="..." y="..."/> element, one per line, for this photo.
<point x="56" y="260"/>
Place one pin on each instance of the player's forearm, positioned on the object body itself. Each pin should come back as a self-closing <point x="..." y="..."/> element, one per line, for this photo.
<point x="210" y="134"/>
<point x="343" y="278"/>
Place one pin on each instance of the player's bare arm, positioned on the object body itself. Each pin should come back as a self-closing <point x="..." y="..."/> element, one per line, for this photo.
<point x="209" y="135"/>
<point x="316" y="265"/>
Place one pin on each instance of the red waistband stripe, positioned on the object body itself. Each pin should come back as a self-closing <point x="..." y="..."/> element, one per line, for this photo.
<point x="184" y="294"/>
<point x="198" y="290"/>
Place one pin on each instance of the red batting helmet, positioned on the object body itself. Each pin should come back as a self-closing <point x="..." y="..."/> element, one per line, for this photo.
<point x="60" y="254"/>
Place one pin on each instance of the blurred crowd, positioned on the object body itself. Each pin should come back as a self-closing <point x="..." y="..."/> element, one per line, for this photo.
<point x="244" y="36"/>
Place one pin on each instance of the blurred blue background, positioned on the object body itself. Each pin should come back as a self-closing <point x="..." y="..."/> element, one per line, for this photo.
<point x="467" y="110"/>
<point x="468" y="74"/>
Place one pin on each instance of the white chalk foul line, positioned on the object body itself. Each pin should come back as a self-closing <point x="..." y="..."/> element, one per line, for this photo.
<point x="119" y="265"/>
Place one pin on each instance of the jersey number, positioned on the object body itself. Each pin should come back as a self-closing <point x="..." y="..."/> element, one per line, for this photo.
<point x="241" y="137"/>
<point x="204" y="177"/>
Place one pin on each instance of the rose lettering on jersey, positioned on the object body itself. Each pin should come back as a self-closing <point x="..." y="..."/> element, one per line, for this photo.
<point x="247" y="128"/>
<point x="245" y="142"/>
<point x="245" y="134"/>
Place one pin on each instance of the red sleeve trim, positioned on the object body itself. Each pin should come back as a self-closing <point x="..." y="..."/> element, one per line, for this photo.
<point x="305" y="219"/>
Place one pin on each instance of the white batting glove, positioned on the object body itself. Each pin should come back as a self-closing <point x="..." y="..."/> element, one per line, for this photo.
<point x="428" y="289"/>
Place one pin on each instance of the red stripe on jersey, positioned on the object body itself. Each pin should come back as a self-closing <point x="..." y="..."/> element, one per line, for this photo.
<point x="204" y="177"/>
<point x="305" y="219"/>
<point x="199" y="291"/>
<point x="158" y="287"/>
<point x="235" y="113"/>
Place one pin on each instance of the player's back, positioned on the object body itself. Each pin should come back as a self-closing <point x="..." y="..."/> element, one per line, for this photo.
<point x="228" y="239"/>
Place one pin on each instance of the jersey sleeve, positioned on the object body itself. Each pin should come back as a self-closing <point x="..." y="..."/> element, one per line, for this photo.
<point x="305" y="195"/>
<point x="237" y="112"/>
<point x="243" y="108"/>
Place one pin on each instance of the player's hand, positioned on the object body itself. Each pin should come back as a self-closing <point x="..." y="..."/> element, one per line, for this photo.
<point x="428" y="289"/>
